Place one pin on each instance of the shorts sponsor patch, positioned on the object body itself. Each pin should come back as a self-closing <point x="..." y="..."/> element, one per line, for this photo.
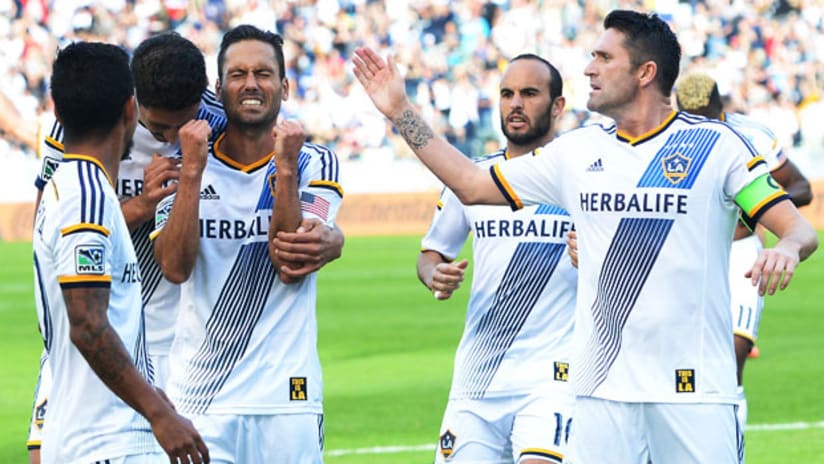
<point x="685" y="380"/>
<point x="561" y="371"/>
<point x="90" y="259"/>
<point x="297" y="388"/>
<point x="40" y="414"/>
<point x="447" y="443"/>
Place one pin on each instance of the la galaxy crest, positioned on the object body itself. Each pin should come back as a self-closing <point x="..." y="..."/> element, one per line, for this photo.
<point x="675" y="166"/>
<point x="447" y="443"/>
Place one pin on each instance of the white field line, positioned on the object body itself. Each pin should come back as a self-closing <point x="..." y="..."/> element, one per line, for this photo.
<point x="431" y="446"/>
<point x="780" y="427"/>
<point x="381" y="450"/>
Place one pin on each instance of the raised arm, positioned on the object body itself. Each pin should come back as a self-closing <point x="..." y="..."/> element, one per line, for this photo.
<point x="103" y="349"/>
<point x="286" y="215"/>
<point x="385" y="87"/>
<point x="175" y="246"/>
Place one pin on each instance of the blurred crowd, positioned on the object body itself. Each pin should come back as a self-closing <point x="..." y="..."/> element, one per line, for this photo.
<point x="767" y="55"/>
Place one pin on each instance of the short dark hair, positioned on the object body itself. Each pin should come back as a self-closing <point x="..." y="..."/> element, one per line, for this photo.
<point x="556" y="83"/>
<point x="90" y="86"/>
<point x="249" y="32"/>
<point x="649" y="38"/>
<point x="169" y="72"/>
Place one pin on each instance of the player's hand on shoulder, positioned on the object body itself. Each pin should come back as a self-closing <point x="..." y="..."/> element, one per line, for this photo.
<point x="194" y="144"/>
<point x="773" y="269"/>
<point x="179" y="439"/>
<point x="447" y="278"/>
<point x="289" y="138"/>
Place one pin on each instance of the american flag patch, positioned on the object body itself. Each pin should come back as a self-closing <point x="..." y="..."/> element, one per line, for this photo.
<point x="314" y="204"/>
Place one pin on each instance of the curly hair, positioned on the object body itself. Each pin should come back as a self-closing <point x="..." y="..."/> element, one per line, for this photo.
<point x="169" y="72"/>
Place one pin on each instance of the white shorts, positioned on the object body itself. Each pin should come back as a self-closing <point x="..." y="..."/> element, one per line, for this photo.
<point x="41" y="394"/>
<point x="611" y="432"/>
<point x="148" y="458"/>
<point x="286" y="438"/>
<point x="745" y="302"/>
<point x="506" y="429"/>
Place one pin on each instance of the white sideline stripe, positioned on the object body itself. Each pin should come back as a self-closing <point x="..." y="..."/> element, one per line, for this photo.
<point x="381" y="450"/>
<point x="790" y="426"/>
<point x="431" y="447"/>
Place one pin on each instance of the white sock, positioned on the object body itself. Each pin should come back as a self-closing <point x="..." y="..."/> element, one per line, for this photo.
<point x="742" y="408"/>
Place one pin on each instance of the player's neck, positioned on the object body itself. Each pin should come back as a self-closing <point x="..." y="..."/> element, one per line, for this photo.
<point x="641" y="117"/>
<point x="108" y="152"/>
<point x="247" y="146"/>
<point x="514" y="150"/>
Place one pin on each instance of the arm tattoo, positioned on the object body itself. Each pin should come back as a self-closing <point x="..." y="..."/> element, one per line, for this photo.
<point x="414" y="130"/>
<point x="97" y="341"/>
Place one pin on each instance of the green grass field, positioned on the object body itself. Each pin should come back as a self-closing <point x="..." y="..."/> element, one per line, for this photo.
<point x="387" y="349"/>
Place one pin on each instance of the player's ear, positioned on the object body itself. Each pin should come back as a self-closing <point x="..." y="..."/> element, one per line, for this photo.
<point x="130" y="112"/>
<point x="646" y="73"/>
<point x="285" y="83"/>
<point x="558" y="104"/>
<point x="218" y="89"/>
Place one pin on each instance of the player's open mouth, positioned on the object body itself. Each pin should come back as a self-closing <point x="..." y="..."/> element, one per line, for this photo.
<point x="516" y="121"/>
<point x="251" y="102"/>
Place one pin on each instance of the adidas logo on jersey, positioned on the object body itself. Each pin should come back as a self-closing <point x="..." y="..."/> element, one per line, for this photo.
<point x="597" y="166"/>
<point x="209" y="193"/>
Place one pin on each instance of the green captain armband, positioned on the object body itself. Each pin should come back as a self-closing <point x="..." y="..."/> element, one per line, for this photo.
<point x="758" y="197"/>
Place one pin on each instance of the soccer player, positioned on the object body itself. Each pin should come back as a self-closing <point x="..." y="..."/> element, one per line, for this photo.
<point x="510" y="399"/>
<point x="88" y="281"/>
<point x="167" y="98"/>
<point x="698" y="94"/>
<point x="246" y="341"/>
<point x="169" y="73"/>
<point x="655" y="198"/>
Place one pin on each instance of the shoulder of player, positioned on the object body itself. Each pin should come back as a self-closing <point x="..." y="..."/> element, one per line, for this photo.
<point x="320" y="166"/>
<point x="694" y="120"/>
<point x="209" y="102"/>
<point x="82" y="189"/>
<point x="490" y="158"/>
<point x="318" y="152"/>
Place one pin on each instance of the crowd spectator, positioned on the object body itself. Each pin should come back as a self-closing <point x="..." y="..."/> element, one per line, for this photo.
<point x="766" y="56"/>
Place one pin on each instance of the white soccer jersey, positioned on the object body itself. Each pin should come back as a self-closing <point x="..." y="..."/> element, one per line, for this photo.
<point x="159" y="296"/>
<point x="520" y="314"/>
<point x="761" y="137"/>
<point x="655" y="217"/>
<point x="81" y="240"/>
<point x="246" y="343"/>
